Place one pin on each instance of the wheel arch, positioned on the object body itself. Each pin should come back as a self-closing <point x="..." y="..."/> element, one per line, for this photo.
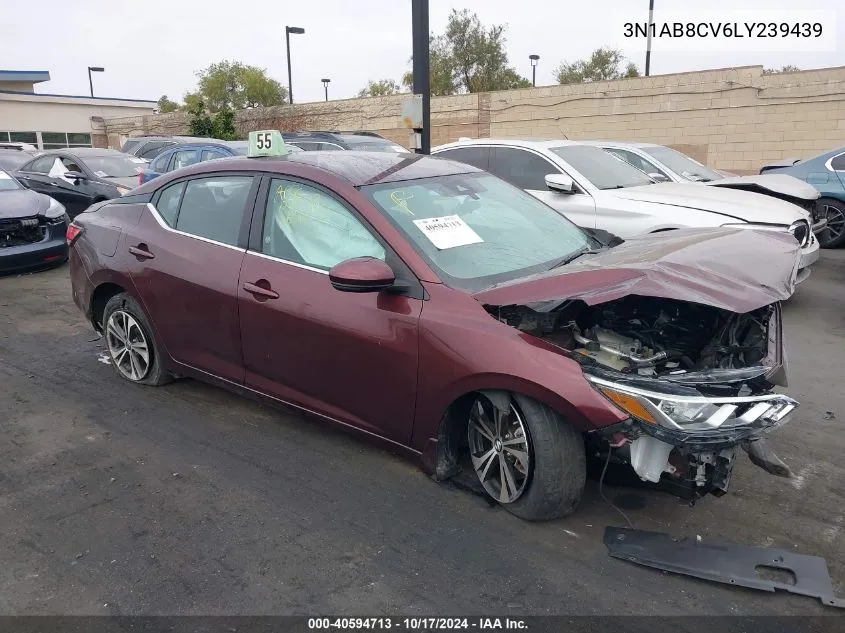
<point x="440" y="453"/>
<point x="99" y="298"/>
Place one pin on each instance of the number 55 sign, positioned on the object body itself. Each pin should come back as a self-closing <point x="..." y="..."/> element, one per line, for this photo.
<point x="267" y="143"/>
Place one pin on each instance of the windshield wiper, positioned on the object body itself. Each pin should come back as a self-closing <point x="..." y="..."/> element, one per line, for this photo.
<point x="572" y="257"/>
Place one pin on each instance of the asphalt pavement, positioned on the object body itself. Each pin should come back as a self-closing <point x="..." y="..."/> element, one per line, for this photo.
<point x="186" y="499"/>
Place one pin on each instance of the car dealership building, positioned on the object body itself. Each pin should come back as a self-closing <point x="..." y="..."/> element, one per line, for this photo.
<point x="51" y="121"/>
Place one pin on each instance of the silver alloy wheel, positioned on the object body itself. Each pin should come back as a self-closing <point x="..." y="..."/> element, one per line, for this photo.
<point x="128" y="346"/>
<point x="835" y="224"/>
<point x="500" y="450"/>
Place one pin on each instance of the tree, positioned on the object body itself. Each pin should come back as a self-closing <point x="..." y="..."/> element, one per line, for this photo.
<point x="789" y="68"/>
<point x="469" y="57"/>
<point x="166" y="105"/>
<point x="223" y="125"/>
<point x="200" y="124"/>
<point x="380" y="88"/>
<point x="236" y="86"/>
<point x="602" y="65"/>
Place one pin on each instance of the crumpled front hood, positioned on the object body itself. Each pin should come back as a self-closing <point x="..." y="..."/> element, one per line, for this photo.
<point x="778" y="184"/>
<point x="22" y="203"/>
<point x="730" y="268"/>
<point x="742" y="205"/>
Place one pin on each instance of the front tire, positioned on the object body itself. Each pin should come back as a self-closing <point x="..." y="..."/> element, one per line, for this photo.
<point x="833" y="235"/>
<point x="526" y="456"/>
<point x="130" y="344"/>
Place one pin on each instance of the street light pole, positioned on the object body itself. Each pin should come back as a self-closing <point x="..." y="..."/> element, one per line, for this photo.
<point x="296" y="30"/>
<point x="93" y="69"/>
<point x="420" y="70"/>
<point x="648" y="41"/>
<point x="326" y="86"/>
<point x="534" y="59"/>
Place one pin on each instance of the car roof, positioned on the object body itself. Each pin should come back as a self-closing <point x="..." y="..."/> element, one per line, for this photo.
<point x="87" y="152"/>
<point x="358" y="167"/>
<point x="527" y="142"/>
<point x="620" y="144"/>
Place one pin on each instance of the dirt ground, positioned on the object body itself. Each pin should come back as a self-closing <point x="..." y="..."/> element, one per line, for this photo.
<point x="185" y="499"/>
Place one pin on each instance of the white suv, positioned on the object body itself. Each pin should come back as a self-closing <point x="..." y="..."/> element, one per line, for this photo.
<point x="599" y="191"/>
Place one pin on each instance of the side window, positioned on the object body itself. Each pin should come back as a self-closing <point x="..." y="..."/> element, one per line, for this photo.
<point x="304" y="225"/>
<point x="168" y="203"/>
<point x="160" y="163"/>
<point x="70" y="165"/>
<point x="838" y="163"/>
<point x="151" y="150"/>
<point x="637" y="161"/>
<point x="213" y="208"/>
<point x="210" y="154"/>
<point x="475" y="156"/>
<point x="521" y="168"/>
<point x="184" y="158"/>
<point x="328" y="147"/>
<point x="40" y="165"/>
<point x="307" y="146"/>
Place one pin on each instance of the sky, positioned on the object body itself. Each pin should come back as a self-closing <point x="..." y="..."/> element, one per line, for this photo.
<point x="153" y="47"/>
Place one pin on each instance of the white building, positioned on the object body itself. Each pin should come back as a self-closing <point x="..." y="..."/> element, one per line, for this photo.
<point x="52" y="121"/>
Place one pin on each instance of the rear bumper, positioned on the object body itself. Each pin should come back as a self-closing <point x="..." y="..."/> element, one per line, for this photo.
<point x="50" y="251"/>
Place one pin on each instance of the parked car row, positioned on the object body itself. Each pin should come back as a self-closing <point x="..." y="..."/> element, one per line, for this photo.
<point x="457" y="317"/>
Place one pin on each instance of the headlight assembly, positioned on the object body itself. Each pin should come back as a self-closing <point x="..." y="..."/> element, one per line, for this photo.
<point x="55" y="211"/>
<point x="799" y="229"/>
<point x="696" y="413"/>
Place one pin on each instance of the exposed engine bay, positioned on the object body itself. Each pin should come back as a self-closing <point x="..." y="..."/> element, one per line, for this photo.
<point x="18" y="232"/>
<point x="697" y="381"/>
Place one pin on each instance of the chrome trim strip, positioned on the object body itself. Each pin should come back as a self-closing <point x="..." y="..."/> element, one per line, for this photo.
<point x="289" y="263"/>
<point x="169" y="228"/>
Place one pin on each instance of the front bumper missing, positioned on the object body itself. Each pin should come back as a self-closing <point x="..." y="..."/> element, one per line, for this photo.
<point x="698" y="458"/>
<point x="726" y="563"/>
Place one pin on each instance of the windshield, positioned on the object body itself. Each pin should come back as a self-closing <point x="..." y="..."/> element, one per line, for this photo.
<point x="682" y="164"/>
<point x="476" y="230"/>
<point x="7" y="183"/>
<point x="114" y="166"/>
<point x="602" y="169"/>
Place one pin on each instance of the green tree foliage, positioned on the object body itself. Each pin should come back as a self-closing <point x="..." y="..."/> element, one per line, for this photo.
<point x="469" y="57"/>
<point x="166" y="105"/>
<point x="602" y="65"/>
<point x="789" y="68"/>
<point x="236" y="86"/>
<point x="200" y="124"/>
<point x="223" y="125"/>
<point x="380" y="88"/>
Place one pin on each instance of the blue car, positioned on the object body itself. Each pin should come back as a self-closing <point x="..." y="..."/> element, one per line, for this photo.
<point x="185" y="154"/>
<point x="827" y="174"/>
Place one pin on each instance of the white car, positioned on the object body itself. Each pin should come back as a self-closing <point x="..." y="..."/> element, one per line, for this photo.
<point x="603" y="193"/>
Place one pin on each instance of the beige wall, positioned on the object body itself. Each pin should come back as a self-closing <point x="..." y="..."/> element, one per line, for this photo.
<point x="734" y="119"/>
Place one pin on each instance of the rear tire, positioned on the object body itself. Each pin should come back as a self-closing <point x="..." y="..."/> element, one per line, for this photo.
<point x="130" y="343"/>
<point x="832" y="236"/>
<point x="540" y="456"/>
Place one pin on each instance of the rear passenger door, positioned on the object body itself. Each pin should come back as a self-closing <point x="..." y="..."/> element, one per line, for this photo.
<point x="184" y="257"/>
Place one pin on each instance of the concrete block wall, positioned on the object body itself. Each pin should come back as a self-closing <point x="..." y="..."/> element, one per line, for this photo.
<point x="735" y="118"/>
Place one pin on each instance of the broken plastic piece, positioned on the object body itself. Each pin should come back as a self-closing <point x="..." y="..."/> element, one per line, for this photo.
<point x="724" y="562"/>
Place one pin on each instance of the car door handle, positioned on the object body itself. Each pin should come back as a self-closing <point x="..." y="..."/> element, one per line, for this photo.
<point x="260" y="291"/>
<point x="141" y="251"/>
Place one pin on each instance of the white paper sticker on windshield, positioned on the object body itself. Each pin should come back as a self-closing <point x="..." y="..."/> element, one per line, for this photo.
<point x="137" y="160"/>
<point x="101" y="174"/>
<point x="448" y="231"/>
<point x="4" y="175"/>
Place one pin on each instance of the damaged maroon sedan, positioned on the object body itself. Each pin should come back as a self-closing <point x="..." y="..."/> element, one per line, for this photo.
<point x="449" y="314"/>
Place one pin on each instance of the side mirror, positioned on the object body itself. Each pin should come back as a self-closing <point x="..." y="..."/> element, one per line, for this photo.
<point x="560" y="183"/>
<point x="361" y="274"/>
<point x="74" y="175"/>
<point x="659" y="177"/>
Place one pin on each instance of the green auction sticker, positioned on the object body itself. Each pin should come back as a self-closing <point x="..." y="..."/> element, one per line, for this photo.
<point x="267" y="143"/>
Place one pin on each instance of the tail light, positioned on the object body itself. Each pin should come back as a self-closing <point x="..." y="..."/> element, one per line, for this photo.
<point x="73" y="232"/>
